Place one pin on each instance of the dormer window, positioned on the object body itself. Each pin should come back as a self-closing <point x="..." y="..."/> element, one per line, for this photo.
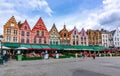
<point x="75" y="32"/>
<point x="25" y="28"/>
<point x="12" y="24"/>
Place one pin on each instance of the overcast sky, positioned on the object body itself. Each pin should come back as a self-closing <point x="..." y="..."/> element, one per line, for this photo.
<point x="88" y="14"/>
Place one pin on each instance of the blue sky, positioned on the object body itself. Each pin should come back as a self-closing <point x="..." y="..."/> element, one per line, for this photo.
<point x="88" y="14"/>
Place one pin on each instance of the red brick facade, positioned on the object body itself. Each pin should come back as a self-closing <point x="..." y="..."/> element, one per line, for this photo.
<point x="25" y="33"/>
<point x="40" y="33"/>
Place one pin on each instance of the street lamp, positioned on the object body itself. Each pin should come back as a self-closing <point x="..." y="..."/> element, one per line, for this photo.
<point x="1" y="53"/>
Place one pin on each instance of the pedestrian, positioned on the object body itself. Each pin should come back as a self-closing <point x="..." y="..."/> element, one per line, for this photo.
<point x="81" y="54"/>
<point x="85" y="55"/>
<point x="76" y="55"/>
<point x="93" y="55"/>
<point x="42" y="54"/>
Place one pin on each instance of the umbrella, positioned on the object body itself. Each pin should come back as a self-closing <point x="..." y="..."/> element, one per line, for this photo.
<point x="22" y="48"/>
<point x="4" y="47"/>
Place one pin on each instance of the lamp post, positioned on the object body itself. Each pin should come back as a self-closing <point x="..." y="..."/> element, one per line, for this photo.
<point x="1" y="52"/>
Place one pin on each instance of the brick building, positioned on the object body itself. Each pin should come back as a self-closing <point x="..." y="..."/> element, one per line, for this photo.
<point x="11" y="31"/>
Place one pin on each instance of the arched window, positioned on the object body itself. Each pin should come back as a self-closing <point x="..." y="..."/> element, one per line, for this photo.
<point x="64" y="34"/>
<point x="25" y="28"/>
<point x="75" y="32"/>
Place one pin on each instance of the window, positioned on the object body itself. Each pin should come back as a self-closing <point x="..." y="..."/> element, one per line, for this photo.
<point x="83" y="34"/>
<point x="82" y="43"/>
<point x="40" y="40"/>
<point x="50" y="41"/>
<point x="37" y="32"/>
<point x="15" y="32"/>
<point x="14" y="39"/>
<point x="44" y="40"/>
<point x="25" y="28"/>
<point x="56" y="42"/>
<point x="8" y="31"/>
<point x="81" y="38"/>
<point x="117" y="39"/>
<point x="34" y="40"/>
<point x="8" y="38"/>
<point x="85" y="39"/>
<point x="53" y="42"/>
<point x="27" y="41"/>
<point x="22" y="40"/>
<point x="76" y="42"/>
<point x="75" y="32"/>
<point x="77" y="37"/>
<point x="73" y="42"/>
<point x="60" y="41"/>
<point x="42" y="33"/>
<point x="103" y="36"/>
<point x="64" y="34"/>
<point x="22" y="33"/>
<point x="28" y="33"/>
<point x="12" y="24"/>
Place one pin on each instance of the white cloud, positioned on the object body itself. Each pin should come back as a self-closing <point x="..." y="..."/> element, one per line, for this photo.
<point x="108" y="16"/>
<point x="33" y="5"/>
<point x="8" y="8"/>
<point x="40" y="4"/>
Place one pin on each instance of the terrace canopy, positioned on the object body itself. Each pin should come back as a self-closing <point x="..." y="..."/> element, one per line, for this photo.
<point x="54" y="47"/>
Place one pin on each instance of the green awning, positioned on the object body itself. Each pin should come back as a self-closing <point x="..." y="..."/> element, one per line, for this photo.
<point x="36" y="46"/>
<point x="11" y="45"/>
<point x="56" y="47"/>
<point x="26" y="45"/>
<point x="83" y="47"/>
<point x="59" y="47"/>
<point x="44" y="46"/>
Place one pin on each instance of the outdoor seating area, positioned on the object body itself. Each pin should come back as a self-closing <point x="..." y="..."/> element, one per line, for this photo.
<point x="37" y="51"/>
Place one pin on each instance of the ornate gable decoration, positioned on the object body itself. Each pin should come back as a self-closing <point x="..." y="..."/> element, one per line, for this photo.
<point x="11" y="23"/>
<point x="40" y="25"/>
<point x="54" y="30"/>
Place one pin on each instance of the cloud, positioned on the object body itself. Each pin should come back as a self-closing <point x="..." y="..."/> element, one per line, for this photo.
<point x="23" y="10"/>
<point x="40" y="4"/>
<point x="105" y="16"/>
<point x="110" y="14"/>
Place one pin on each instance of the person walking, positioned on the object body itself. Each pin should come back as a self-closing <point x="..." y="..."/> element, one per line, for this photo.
<point x="76" y="55"/>
<point x="94" y="55"/>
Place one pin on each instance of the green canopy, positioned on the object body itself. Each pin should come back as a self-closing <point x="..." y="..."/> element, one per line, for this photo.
<point x="26" y="45"/>
<point x="36" y="46"/>
<point x="11" y="45"/>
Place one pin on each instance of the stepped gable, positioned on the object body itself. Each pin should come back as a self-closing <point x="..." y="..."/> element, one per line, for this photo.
<point x="40" y="25"/>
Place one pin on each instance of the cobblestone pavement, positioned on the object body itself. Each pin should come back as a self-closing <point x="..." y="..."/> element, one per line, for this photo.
<point x="107" y="66"/>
